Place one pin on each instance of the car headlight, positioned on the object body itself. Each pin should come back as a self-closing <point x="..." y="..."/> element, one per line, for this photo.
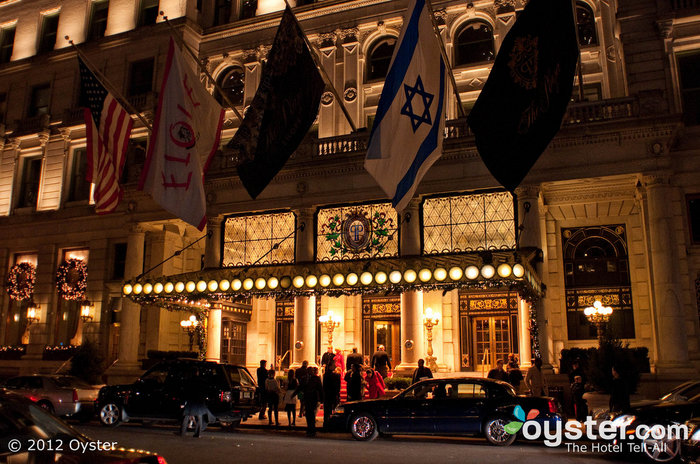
<point x="695" y="437"/>
<point x="625" y="420"/>
<point x="339" y="410"/>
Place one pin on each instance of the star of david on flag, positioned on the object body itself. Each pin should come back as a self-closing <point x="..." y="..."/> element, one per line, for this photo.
<point x="406" y="138"/>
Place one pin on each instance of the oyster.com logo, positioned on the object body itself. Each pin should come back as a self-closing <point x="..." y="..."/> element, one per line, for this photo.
<point x="514" y="427"/>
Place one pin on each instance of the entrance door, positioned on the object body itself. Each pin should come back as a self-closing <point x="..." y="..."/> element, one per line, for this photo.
<point x="387" y="333"/>
<point x="283" y="348"/>
<point x="491" y="341"/>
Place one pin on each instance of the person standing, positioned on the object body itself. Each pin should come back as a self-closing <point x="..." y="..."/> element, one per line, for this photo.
<point x="580" y="404"/>
<point x="354" y="358"/>
<point x="422" y="372"/>
<point x="262" y="377"/>
<point x="195" y="405"/>
<point x="354" y="380"/>
<point x="535" y="380"/>
<point x="312" y="391"/>
<point x="576" y="369"/>
<point x="515" y="375"/>
<point x="381" y="362"/>
<point x="290" y="402"/>
<point x="498" y="373"/>
<point x="619" y="393"/>
<point x="375" y="384"/>
<point x="331" y="391"/>
<point x="327" y="357"/>
<point x="302" y="375"/>
<point x="339" y="361"/>
<point x="273" y="391"/>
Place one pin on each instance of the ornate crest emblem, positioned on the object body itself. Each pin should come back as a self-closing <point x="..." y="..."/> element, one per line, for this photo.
<point x="523" y="62"/>
<point x="356" y="232"/>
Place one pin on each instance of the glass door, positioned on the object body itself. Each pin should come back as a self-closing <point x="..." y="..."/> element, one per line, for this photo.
<point x="491" y="341"/>
<point x="387" y="333"/>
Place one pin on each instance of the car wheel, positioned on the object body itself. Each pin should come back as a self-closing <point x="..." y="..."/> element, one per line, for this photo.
<point x="110" y="414"/>
<point x="495" y="432"/>
<point x="363" y="427"/>
<point x="661" y="450"/>
<point x="46" y="405"/>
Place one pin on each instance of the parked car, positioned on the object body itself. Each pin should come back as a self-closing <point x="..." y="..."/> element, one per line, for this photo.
<point x="63" y="395"/>
<point x="690" y="448"/>
<point x="667" y="448"/>
<point x="681" y="392"/>
<point x="24" y="423"/>
<point x="160" y="395"/>
<point x="449" y="406"/>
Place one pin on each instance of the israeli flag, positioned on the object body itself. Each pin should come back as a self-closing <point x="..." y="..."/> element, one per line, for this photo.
<point x="406" y="138"/>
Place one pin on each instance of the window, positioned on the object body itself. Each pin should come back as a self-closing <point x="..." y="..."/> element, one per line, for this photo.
<point x="693" y="202"/>
<point x="467" y="390"/>
<point x="79" y="189"/>
<point x="98" y="20"/>
<point x="222" y="12"/>
<point x="251" y="239"/>
<point x="689" y="81"/>
<point x="140" y="77"/>
<point x="29" y="187"/>
<point x="7" y="42"/>
<point x="474" y="44"/>
<point x="596" y="268"/>
<point x="357" y="232"/>
<point x="380" y="58"/>
<point x="49" y="29"/>
<point x="119" y="263"/>
<point x="68" y="311"/>
<point x="40" y="99"/>
<point x="586" y="25"/>
<point x="135" y="157"/>
<point x="149" y="12"/>
<point x="248" y="8"/>
<point x="232" y="84"/>
<point x="468" y="222"/>
<point x="591" y="92"/>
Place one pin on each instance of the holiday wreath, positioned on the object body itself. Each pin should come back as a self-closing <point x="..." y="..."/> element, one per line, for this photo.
<point x="21" y="280"/>
<point x="71" y="279"/>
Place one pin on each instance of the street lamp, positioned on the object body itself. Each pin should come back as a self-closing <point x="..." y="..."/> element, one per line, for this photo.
<point x="430" y="320"/>
<point x="86" y="310"/>
<point x="598" y="315"/>
<point x="190" y="327"/>
<point x="330" y="321"/>
<point x="32" y="313"/>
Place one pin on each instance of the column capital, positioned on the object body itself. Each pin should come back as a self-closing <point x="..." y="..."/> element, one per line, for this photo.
<point x="656" y="180"/>
<point x="136" y="229"/>
<point x="527" y="191"/>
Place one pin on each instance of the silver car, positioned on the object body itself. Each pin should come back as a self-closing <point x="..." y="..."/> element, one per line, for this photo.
<point x="62" y="395"/>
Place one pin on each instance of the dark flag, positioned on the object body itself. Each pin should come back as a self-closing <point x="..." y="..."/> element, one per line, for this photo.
<point x="282" y="111"/>
<point x="524" y="100"/>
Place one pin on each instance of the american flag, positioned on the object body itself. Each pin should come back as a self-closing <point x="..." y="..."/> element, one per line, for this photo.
<point x="108" y="127"/>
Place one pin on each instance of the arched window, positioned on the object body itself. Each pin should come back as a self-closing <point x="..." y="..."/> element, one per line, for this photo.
<point x="232" y="83"/>
<point x="586" y="24"/>
<point x="474" y="44"/>
<point x="379" y="58"/>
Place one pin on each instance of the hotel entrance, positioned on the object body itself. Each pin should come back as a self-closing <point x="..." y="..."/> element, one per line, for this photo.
<point x="381" y="325"/>
<point x="488" y="329"/>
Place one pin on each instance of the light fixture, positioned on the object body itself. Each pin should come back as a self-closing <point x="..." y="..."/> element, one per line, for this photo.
<point x="236" y="284"/>
<point x="380" y="277"/>
<point x="430" y="320"/>
<point x="127" y="289"/>
<point x="598" y="315"/>
<point x="351" y="279"/>
<point x="338" y="280"/>
<point x="472" y="272"/>
<point x="201" y="286"/>
<point x="504" y="270"/>
<point x="298" y="281"/>
<point x="366" y="278"/>
<point x="518" y="270"/>
<point x="456" y="273"/>
<point x="147" y="288"/>
<point x="324" y="280"/>
<point x="311" y="281"/>
<point x="330" y="321"/>
<point x="409" y="276"/>
<point x="260" y="283"/>
<point x="273" y="282"/>
<point x="190" y="286"/>
<point x="158" y="288"/>
<point x="32" y="313"/>
<point x="395" y="277"/>
<point x="213" y="286"/>
<point x="190" y="327"/>
<point x="168" y="287"/>
<point x="248" y="284"/>
<point x="180" y="287"/>
<point x="86" y="310"/>
<point x="286" y="282"/>
<point x="138" y="288"/>
<point x="488" y="271"/>
<point x="440" y="274"/>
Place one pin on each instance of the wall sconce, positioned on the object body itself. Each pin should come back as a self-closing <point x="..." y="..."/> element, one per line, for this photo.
<point x="32" y="313"/>
<point x="86" y="310"/>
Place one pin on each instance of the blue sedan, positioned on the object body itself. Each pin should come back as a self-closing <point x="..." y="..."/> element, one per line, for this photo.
<point x="448" y="406"/>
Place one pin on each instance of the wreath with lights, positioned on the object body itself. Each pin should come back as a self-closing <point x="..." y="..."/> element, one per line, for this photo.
<point x="71" y="279"/>
<point x="21" y="280"/>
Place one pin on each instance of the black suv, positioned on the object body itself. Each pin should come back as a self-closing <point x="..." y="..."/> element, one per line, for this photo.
<point x="159" y="395"/>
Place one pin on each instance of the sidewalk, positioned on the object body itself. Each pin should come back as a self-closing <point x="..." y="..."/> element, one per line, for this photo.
<point x="254" y="423"/>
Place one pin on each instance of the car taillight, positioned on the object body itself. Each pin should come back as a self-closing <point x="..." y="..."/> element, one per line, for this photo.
<point x="161" y="460"/>
<point x="75" y="396"/>
<point x="552" y="407"/>
<point x="225" y="397"/>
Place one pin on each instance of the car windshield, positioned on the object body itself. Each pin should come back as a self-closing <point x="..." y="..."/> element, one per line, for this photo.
<point x="71" y="382"/>
<point x="687" y="390"/>
<point x="246" y="378"/>
<point x="29" y="420"/>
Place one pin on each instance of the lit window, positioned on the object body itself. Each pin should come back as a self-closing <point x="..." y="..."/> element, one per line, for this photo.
<point x="689" y="82"/>
<point x="251" y="239"/>
<point x="149" y="12"/>
<point x="586" y="24"/>
<point x="468" y="223"/>
<point x="7" y="41"/>
<point x="39" y="102"/>
<point x="474" y="44"/>
<point x="140" y="77"/>
<point x="79" y="189"/>
<point x="380" y="58"/>
<point x="29" y="187"/>
<point x="98" y="20"/>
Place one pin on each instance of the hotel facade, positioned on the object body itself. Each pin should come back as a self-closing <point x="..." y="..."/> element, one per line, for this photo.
<point x="467" y="274"/>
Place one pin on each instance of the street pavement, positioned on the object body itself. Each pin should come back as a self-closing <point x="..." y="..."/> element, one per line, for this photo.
<point x="255" y="442"/>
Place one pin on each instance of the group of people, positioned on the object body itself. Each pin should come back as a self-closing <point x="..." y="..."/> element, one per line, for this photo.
<point x="310" y="389"/>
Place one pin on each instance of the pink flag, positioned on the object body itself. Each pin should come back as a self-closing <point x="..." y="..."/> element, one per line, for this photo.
<point x="185" y="137"/>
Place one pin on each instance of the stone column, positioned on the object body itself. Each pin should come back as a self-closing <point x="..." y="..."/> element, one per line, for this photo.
<point x="131" y="312"/>
<point x="212" y="247"/>
<point x="525" y="350"/>
<point x="214" y="335"/>
<point x="304" y="343"/>
<point x="411" y="331"/>
<point x="410" y="229"/>
<point x="671" y="335"/>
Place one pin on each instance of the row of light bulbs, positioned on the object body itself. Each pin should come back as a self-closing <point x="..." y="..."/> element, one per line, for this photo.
<point x="409" y="276"/>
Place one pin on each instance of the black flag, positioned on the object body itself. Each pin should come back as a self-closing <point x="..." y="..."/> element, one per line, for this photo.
<point x="282" y="111"/>
<point x="524" y="100"/>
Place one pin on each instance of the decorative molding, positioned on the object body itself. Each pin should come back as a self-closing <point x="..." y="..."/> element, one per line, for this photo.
<point x="348" y="35"/>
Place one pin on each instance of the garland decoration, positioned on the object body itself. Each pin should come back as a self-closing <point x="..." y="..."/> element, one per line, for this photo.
<point x="71" y="279"/>
<point x="21" y="280"/>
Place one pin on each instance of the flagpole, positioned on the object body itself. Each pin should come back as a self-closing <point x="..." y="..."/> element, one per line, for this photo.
<point x="202" y="67"/>
<point x="324" y="74"/>
<point x="580" y="63"/>
<point x="443" y="52"/>
<point x="110" y="88"/>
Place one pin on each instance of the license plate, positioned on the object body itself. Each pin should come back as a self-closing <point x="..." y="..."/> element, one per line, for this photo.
<point x="246" y="395"/>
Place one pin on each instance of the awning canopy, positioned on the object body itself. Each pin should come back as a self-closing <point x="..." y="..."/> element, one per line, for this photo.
<point x="488" y="270"/>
